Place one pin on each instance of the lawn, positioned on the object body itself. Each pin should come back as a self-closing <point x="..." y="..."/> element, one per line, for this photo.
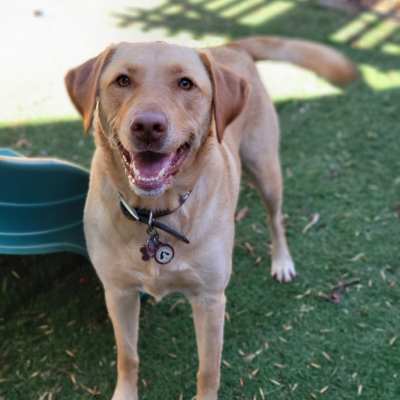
<point x="340" y="156"/>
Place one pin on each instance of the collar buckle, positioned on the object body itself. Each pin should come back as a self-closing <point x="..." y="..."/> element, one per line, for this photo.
<point x="148" y="217"/>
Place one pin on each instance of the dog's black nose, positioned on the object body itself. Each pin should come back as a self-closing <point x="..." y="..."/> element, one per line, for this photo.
<point x="149" y="127"/>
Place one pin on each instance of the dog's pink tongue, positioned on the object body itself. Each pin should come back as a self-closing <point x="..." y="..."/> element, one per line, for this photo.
<point x="149" y="164"/>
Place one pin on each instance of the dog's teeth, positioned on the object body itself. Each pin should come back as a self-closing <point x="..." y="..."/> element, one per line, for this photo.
<point x="136" y="172"/>
<point x="161" y="173"/>
<point x="143" y="178"/>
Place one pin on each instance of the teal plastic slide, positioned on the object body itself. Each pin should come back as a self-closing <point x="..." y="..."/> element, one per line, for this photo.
<point x="41" y="205"/>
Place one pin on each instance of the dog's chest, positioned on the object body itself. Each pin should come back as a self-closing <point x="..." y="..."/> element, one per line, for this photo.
<point x="161" y="279"/>
<point x="178" y="275"/>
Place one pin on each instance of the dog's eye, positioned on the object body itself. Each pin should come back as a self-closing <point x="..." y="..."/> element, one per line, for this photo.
<point x="185" y="83"/>
<point x="123" y="80"/>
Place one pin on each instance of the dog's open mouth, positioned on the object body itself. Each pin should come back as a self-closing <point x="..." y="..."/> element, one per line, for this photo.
<point x="151" y="171"/>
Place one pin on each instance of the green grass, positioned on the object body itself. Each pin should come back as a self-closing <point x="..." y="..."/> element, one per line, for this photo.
<point x="340" y="156"/>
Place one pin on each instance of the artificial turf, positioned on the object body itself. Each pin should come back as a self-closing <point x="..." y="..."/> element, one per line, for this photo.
<point x="340" y="157"/>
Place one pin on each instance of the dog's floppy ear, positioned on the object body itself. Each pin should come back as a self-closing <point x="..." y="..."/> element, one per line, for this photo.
<point x="230" y="93"/>
<point x="82" y="85"/>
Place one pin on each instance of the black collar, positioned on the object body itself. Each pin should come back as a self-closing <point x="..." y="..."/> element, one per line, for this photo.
<point x="149" y="217"/>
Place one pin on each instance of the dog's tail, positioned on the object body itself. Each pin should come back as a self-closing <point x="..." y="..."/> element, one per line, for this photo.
<point x="323" y="60"/>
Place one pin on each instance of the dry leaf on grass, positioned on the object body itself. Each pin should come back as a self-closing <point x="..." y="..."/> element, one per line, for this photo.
<point x="254" y="373"/>
<point x="251" y="356"/>
<point x="336" y="294"/>
<point x="393" y="340"/>
<point x="324" y="389"/>
<point x="358" y="257"/>
<point x="326" y="356"/>
<point x="70" y="353"/>
<point x="249" y="247"/>
<point x="313" y="220"/>
<point x="93" y="391"/>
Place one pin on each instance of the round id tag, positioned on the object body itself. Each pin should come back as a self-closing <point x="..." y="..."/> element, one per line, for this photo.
<point x="164" y="254"/>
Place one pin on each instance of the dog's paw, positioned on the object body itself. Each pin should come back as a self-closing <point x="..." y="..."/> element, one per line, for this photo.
<point x="210" y="396"/>
<point x="121" y="396"/>
<point x="125" y="392"/>
<point x="283" y="269"/>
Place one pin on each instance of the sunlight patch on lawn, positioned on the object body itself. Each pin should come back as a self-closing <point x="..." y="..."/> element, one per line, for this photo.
<point x="217" y="4"/>
<point x="380" y="80"/>
<point x="39" y="120"/>
<point x="284" y="81"/>
<point x="353" y="28"/>
<point x="377" y="35"/>
<point x="391" y="49"/>
<point x="268" y="12"/>
<point x="172" y="10"/>
<point x="367" y="32"/>
<point x="242" y="8"/>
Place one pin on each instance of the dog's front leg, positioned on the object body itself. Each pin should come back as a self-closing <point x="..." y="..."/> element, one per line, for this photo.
<point x="124" y="307"/>
<point x="208" y="314"/>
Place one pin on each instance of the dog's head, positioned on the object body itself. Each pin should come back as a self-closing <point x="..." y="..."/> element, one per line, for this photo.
<point x="154" y="102"/>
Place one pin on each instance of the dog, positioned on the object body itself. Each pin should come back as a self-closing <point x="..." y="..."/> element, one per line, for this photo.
<point x="172" y="127"/>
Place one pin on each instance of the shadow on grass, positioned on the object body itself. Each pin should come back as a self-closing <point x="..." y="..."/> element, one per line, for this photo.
<point x="366" y="37"/>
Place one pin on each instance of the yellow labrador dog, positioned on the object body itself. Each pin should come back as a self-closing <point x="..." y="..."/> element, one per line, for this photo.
<point x="172" y="125"/>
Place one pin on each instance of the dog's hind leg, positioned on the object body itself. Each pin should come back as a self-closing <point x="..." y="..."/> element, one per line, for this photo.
<point x="259" y="151"/>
